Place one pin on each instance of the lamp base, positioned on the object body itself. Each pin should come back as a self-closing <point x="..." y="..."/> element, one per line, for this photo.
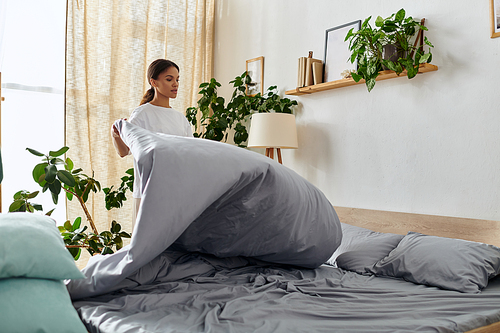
<point x="270" y="154"/>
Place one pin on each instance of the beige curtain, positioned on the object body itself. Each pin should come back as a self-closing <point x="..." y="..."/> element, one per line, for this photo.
<point x="110" y="44"/>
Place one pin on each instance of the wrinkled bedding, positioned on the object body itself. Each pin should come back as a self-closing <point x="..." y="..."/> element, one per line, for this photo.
<point x="189" y="292"/>
<point x="210" y="197"/>
<point x="230" y="241"/>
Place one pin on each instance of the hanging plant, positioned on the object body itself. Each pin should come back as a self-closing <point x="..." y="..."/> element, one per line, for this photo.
<point x="367" y="47"/>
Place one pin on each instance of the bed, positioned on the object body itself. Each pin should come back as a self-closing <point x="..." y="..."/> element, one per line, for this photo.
<point x="239" y="243"/>
<point x="201" y="293"/>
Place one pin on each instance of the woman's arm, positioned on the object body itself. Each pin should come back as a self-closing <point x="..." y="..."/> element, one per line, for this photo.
<point x="120" y="146"/>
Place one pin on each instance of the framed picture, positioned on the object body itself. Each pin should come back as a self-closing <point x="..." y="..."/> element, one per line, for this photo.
<point x="255" y="68"/>
<point x="337" y="52"/>
<point x="495" y="18"/>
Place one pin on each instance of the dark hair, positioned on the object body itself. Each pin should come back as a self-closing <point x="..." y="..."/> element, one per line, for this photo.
<point x="154" y="70"/>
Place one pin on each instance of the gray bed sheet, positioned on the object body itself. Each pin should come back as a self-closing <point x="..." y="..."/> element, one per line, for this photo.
<point x="192" y="292"/>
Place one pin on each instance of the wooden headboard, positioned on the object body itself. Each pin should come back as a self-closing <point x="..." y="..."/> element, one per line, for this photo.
<point x="484" y="231"/>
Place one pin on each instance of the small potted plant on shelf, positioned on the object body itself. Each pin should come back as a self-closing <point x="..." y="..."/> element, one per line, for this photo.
<point x="390" y="45"/>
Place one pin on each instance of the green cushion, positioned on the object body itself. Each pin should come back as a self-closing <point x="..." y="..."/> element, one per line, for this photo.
<point x="31" y="246"/>
<point x="38" y="306"/>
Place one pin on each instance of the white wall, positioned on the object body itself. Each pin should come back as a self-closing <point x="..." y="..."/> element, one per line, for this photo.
<point x="429" y="145"/>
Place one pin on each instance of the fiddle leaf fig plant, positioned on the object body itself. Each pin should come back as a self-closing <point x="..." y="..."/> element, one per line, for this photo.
<point x="73" y="181"/>
<point x="370" y="47"/>
<point x="217" y="118"/>
<point x="59" y="175"/>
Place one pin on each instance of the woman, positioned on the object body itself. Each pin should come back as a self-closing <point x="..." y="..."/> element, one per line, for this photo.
<point x="155" y="114"/>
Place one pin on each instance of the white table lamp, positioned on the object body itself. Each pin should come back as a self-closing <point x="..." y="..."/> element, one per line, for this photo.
<point x="273" y="130"/>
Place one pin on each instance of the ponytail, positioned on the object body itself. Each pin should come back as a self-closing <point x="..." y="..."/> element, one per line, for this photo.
<point x="148" y="96"/>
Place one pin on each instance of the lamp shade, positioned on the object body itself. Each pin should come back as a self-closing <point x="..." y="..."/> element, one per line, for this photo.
<point x="273" y="130"/>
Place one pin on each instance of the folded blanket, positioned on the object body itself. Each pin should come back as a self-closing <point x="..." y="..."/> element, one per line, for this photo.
<point x="215" y="198"/>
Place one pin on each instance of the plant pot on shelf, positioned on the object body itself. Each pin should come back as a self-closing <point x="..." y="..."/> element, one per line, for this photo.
<point x="392" y="53"/>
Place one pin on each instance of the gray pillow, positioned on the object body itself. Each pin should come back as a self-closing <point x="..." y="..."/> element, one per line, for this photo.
<point x="31" y="246"/>
<point x="361" y="248"/>
<point x="446" y="263"/>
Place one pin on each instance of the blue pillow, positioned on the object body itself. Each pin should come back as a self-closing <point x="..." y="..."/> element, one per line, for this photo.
<point x="37" y="306"/>
<point x="31" y="246"/>
<point x="446" y="263"/>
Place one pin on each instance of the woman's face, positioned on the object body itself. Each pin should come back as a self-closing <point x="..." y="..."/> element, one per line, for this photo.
<point x="167" y="82"/>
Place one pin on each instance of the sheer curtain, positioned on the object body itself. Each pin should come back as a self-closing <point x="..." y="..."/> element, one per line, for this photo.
<point x="109" y="47"/>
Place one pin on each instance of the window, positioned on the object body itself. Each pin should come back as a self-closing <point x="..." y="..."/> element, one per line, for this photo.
<point x="32" y="63"/>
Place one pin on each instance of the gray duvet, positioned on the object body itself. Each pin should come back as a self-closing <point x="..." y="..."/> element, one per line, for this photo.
<point x="182" y="292"/>
<point x="219" y="199"/>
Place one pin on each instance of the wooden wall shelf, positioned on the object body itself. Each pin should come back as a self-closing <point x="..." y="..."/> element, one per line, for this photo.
<point x="384" y="75"/>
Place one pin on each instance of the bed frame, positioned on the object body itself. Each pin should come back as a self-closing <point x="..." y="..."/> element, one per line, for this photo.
<point x="484" y="231"/>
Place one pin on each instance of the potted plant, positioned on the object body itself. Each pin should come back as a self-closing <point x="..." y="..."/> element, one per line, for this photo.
<point x="218" y="119"/>
<point x="369" y="47"/>
<point x="57" y="175"/>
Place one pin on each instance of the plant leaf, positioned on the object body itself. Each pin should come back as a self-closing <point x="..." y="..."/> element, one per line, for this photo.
<point x="58" y="152"/>
<point x="55" y="197"/>
<point x="106" y="250"/>
<point x="50" y="173"/>
<point x="424" y="58"/>
<point x="370" y="83"/>
<point x="379" y="21"/>
<point x="14" y="207"/>
<point x="356" y="77"/>
<point x="33" y="194"/>
<point x="35" y="152"/>
<point x="69" y="164"/>
<point x="68" y="226"/>
<point x="38" y="171"/>
<point x="400" y="15"/>
<point x="66" y="177"/>
<point x="77" y="223"/>
<point x="75" y="252"/>
<point x="55" y="187"/>
<point x="93" y="245"/>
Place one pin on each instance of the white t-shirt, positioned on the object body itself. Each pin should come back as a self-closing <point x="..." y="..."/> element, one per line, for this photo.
<point x="158" y="119"/>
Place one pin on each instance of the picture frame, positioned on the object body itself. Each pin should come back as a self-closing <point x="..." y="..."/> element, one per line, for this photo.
<point x="495" y="18"/>
<point x="337" y="54"/>
<point x="255" y="68"/>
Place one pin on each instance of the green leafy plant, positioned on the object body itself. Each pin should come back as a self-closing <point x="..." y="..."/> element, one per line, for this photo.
<point x="273" y="101"/>
<point x="367" y="46"/>
<point x="21" y="203"/>
<point x="217" y="118"/>
<point x="57" y="175"/>
<point x="75" y="237"/>
<point x="115" y="198"/>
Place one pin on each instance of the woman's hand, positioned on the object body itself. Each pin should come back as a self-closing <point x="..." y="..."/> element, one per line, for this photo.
<point x="114" y="131"/>
<point x="120" y="146"/>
